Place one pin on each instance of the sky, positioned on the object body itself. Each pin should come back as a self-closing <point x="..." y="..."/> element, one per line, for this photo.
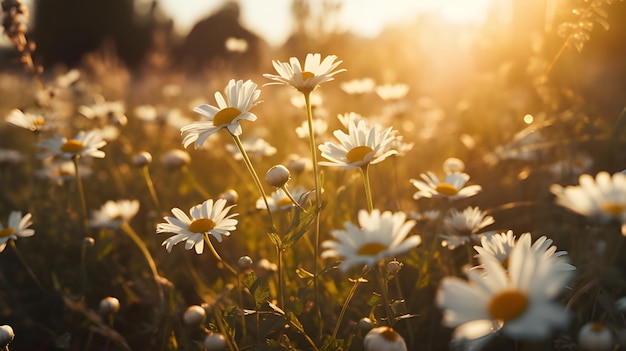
<point x="271" y="18"/>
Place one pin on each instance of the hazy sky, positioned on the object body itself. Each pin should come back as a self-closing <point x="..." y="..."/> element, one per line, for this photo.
<point x="271" y="18"/>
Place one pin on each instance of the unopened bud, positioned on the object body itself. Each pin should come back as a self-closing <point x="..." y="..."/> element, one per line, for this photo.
<point x="6" y="335"/>
<point x="277" y="176"/>
<point x="230" y="196"/>
<point x="245" y="262"/>
<point x="109" y="305"/>
<point x="194" y="315"/>
<point x="215" y="342"/>
<point x="142" y="158"/>
<point x="394" y="267"/>
<point x="365" y="324"/>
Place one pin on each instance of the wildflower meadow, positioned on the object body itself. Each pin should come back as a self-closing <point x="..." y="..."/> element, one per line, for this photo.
<point x="346" y="194"/>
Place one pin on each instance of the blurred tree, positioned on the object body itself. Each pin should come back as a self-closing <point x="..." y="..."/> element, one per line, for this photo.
<point x="65" y="30"/>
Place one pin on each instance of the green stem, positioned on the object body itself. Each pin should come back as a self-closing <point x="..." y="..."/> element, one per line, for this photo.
<point x="217" y="256"/>
<point x="146" y="254"/>
<point x="344" y="307"/>
<point x="279" y="264"/>
<point x="25" y="264"/>
<point x="318" y="201"/>
<point x="257" y="181"/>
<point x="81" y="193"/>
<point x="194" y="183"/>
<point x="385" y="295"/>
<point x="368" y="189"/>
<point x="146" y="175"/>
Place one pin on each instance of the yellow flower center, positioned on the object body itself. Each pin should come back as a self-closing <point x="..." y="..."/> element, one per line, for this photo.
<point x="285" y="201"/>
<point x="225" y="116"/>
<point x="306" y="75"/>
<point x="389" y="334"/>
<point x="507" y="305"/>
<point x="39" y="121"/>
<point x="358" y="153"/>
<point x="371" y="249"/>
<point x="597" y="327"/>
<point x="613" y="208"/>
<point x="201" y="225"/>
<point x="72" y="146"/>
<point x="6" y="232"/>
<point x="446" y="189"/>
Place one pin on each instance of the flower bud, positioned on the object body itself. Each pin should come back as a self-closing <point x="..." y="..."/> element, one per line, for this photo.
<point x="277" y="176"/>
<point x="365" y="324"/>
<point x="453" y="165"/>
<point x="194" y="315"/>
<point x="383" y="338"/>
<point x="230" y="196"/>
<point x="143" y="158"/>
<point x="594" y="336"/>
<point x="245" y="262"/>
<point x="109" y="305"/>
<point x="297" y="164"/>
<point x="215" y="342"/>
<point x="89" y="241"/>
<point x="175" y="158"/>
<point x="6" y="335"/>
<point x="394" y="267"/>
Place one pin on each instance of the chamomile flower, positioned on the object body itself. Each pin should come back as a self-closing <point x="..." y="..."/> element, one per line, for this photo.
<point x="206" y="218"/>
<point x="360" y="147"/>
<point x="256" y="148"/>
<point x="240" y="97"/>
<point x="316" y="71"/>
<point x="84" y="144"/>
<point x="319" y="128"/>
<point x="113" y="213"/>
<point x="380" y="236"/>
<point x="499" y="247"/>
<point x="26" y="120"/>
<point x="359" y="86"/>
<point x="519" y="300"/>
<point x="464" y="227"/>
<point x="453" y="186"/>
<point x="17" y="227"/>
<point x="390" y="92"/>
<point x="602" y="199"/>
<point x="595" y="336"/>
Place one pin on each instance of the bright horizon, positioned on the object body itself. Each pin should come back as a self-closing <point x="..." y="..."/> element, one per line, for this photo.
<point x="271" y="19"/>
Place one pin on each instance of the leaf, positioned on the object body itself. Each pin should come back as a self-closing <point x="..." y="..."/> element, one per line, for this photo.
<point x="299" y="226"/>
<point x="275" y="239"/>
<point x="374" y="300"/>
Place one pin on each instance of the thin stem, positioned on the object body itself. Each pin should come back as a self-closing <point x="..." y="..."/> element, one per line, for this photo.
<point x="146" y="254"/>
<point x="279" y="264"/>
<point x="25" y="264"/>
<point x="217" y="256"/>
<point x="318" y="201"/>
<point x="257" y="181"/>
<point x="194" y="183"/>
<point x="81" y="193"/>
<point x="368" y="189"/>
<point x="146" y="175"/>
<point x="344" y="307"/>
<point x="385" y="295"/>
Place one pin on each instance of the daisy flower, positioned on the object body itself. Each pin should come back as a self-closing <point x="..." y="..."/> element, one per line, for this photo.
<point x="84" y="144"/>
<point x="358" y="86"/>
<point x="206" y="218"/>
<point x="319" y="128"/>
<point x="518" y="301"/>
<point x="602" y="199"/>
<point x="360" y="147"/>
<point x="499" y="247"/>
<point x="113" y="213"/>
<point x="380" y="236"/>
<point x="26" y="120"/>
<point x="595" y="336"/>
<point x="453" y="187"/>
<point x="17" y="227"/>
<point x="462" y="227"/>
<point x="239" y="97"/>
<point x="389" y="92"/>
<point x="316" y="71"/>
